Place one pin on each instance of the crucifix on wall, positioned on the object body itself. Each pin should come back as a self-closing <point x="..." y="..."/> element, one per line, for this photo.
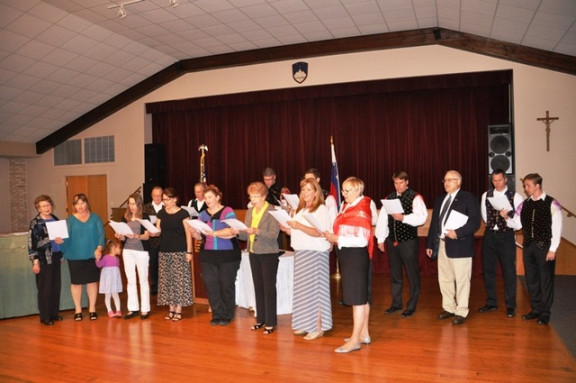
<point x="547" y="120"/>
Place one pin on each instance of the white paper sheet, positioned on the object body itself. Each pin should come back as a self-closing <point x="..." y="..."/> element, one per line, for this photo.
<point x="281" y="216"/>
<point x="235" y="224"/>
<point x="500" y="203"/>
<point x="455" y="220"/>
<point x="392" y="206"/>
<point x="191" y="211"/>
<point x="148" y="225"/>
<point x="121" y="228"/>
<point x="153" y="219"/>
<point x="199" y="225"/>
<point x="315" y="223"/>
<point x="292" y="200"/>
<point x="57" y="229"/>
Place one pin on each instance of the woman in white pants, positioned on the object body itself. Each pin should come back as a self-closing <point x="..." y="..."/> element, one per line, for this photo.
<point x="136" y="258"/>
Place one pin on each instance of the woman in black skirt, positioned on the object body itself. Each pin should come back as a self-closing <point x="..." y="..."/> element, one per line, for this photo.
<point x="353" y="237"/>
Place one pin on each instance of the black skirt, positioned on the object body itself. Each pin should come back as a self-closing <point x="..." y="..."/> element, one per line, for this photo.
<point x="354" y="269"/>
<point x="83" y="272"/>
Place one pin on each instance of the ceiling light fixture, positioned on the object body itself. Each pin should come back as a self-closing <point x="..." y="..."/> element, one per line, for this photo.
<point x="173" y="3"/>
<point x="122" y="7"/>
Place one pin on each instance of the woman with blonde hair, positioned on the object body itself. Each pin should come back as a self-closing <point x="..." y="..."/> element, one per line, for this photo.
<point x="311" y="308"/>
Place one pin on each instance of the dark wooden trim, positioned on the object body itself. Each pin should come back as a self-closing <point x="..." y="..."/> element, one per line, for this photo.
<point x="419" y="37"/>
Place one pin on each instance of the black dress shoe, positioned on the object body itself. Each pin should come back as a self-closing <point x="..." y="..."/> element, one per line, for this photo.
<point x="392" y="309"/>
<point x="445" y="315"/>
<point x="56" y="318"/>
<point x="131" y="314"/>
<point x="47" y="322"/>
<point x="407" y="313"/>
<point x="145" y="316"/>
<point x="487" y="308"/>
<point x="214" y="322"/>
<point x="531" y="315"/>
<point x="458" y="319"/>
<point x="544" y="319"/>
<point x="223" y="322"/>
<point x="510" y="313"/>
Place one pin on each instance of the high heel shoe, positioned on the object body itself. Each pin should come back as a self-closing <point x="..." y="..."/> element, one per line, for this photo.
<point x="366" y="340"/>
<point x="257" y="326"/>
<point x="299" y="332"/>
<point x="170" y="315"/>
<point x="177" y="317"/>
<point x="268" y="330"/>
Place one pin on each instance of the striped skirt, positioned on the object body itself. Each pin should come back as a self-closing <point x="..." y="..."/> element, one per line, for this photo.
<point x="311" y="299"/>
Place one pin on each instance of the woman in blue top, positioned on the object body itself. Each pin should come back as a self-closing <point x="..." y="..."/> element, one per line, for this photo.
<point x="219" y="257"/>
<point x="85" y="243"/>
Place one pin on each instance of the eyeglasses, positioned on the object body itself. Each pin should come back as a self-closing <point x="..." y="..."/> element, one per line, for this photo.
<point x="449" y="180"/>
<point x="345" y="192"/>
<point x="166" y="199"/>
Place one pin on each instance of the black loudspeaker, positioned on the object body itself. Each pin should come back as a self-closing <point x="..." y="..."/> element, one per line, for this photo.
<point x="500" y="148"/>
<point x="154" y="164"/>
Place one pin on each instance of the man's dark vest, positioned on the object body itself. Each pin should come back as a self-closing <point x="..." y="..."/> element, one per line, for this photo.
<point x="537" y="220"/>
<point x="493" y="216"/>
<point x="400" y="232"/>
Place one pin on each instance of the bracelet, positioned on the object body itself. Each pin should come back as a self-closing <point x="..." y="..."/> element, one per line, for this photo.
<point x="189" y="252"/>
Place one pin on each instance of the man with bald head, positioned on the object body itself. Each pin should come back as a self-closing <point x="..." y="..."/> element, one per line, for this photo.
<point x="454" y="246"/>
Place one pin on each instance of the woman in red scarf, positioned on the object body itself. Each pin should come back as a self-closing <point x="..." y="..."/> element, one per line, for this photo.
<point x="353" y="237"/>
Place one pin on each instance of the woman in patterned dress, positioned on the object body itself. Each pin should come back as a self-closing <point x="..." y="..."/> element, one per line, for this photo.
<point x="174" y="274"/>
<point x="311" y="311"/>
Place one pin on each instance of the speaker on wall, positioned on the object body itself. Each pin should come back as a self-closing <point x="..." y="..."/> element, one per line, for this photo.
<point x="500" y="148"/>
<point x="154" y="164"/>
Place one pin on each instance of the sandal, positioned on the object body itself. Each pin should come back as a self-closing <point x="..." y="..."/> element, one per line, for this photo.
<point x="177" y="317"/>
<point x="257" y="326"/>
<point x="170" y="315"/>
<point x="268" y="330"/>
<point x="78" y="317"/>
<point x="93" y="316"/>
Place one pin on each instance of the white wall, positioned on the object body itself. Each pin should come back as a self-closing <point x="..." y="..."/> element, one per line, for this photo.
<point x="535" y="91"/>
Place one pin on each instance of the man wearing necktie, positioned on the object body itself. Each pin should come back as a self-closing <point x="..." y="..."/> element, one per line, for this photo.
<point x="455" y="247"/>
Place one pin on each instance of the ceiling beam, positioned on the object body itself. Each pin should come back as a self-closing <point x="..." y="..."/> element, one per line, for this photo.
<point x="393" y="40"/>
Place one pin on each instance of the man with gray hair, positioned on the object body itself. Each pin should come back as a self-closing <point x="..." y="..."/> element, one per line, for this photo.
<point x="453" y="244"/>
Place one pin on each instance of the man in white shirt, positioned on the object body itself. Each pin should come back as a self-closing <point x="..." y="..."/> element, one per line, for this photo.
<point x="152" y="208"/>
<point x="400" y="230"/>
<point x="198" y="202"/>
<point x="499" y="243"/>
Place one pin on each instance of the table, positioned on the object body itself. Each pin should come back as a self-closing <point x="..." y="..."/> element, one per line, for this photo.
<point x="284" y="284"/>
<point x="18" y="294"/>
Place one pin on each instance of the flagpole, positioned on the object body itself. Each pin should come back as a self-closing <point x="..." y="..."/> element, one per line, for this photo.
<point x="335" y="181"/>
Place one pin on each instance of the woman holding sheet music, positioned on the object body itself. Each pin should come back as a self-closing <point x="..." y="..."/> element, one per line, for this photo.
<point x="262" y="237"/>
<point x="46" y="257"/>
<point x="174" y="274"/>
<point x="219" y="257"/>
<point x="311" y="310"/>
<point x="136" y="257"/>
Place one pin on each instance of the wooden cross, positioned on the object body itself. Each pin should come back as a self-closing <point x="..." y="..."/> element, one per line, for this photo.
<point x="547" y="120"/>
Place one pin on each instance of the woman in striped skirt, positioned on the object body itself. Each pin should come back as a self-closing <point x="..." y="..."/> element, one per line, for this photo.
<point x="312" y="312"/>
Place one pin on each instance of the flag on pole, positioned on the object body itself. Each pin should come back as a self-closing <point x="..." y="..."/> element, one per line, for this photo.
<point x="335" y="178"/>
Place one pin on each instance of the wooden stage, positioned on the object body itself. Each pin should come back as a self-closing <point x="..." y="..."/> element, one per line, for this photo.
<point x="487" y="348"/>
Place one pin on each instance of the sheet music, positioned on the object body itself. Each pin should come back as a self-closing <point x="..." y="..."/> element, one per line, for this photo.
<point x="57" y="229"/>
<point x="191" y="211"/>
<point x="392" y="206"/>
<point x="500" y="203"/>
<point x="152" y="219"/>
<point x="148" y="225"/>
<point x="121" y="228"/>
<point x="281" y="216"/>
<point x="196" y="224"/>
<point x="315" y="223"/>
<point x="292" y="200"/>
<point x="455" y="220"/>
<point x="235" y="224"/>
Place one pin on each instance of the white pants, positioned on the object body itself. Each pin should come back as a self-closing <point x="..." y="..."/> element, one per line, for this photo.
<point x="454" y="279"/>
<point x="137" y="260"/>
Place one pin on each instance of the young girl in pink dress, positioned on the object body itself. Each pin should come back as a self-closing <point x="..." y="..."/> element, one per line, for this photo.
<point x="110" y="279"/>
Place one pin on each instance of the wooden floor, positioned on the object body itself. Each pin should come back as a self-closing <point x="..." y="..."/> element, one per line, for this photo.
<point x="488" y="348"/>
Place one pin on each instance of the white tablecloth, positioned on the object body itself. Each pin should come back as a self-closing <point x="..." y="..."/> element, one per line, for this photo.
<point x="284" y="284"/>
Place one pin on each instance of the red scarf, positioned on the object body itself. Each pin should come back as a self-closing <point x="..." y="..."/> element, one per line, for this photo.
<point x="356" y="220"/>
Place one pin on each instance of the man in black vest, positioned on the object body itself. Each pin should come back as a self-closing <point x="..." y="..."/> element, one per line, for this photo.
<point x="541" y="217"/>
<point x="152" y="208"/>
<point x="400" y="230"/>
<point x="499" y="243"/>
